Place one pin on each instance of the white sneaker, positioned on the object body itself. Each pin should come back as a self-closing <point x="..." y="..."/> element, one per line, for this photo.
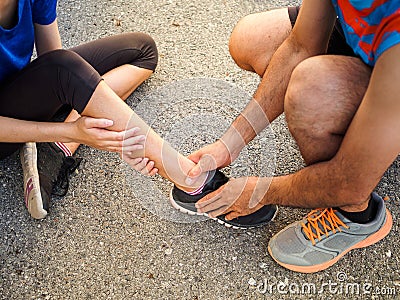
<point x="32" y="196"/>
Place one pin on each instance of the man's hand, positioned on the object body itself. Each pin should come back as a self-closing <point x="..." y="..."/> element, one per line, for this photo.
<point x="94" y="133"/>
<point x="238" y="197"/>
<point x="210" y="157"/>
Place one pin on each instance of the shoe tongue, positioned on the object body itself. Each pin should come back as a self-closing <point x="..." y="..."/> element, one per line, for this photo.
<point x="320" y="226"/>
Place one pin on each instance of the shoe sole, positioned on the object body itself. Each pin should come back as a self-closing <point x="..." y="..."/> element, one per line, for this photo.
<point x="32" y="196"/>
<point x="372" y="239"/>
<point x="192" y="213"/>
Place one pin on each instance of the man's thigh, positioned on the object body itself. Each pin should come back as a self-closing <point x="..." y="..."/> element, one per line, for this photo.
<point x="134" y="48"/>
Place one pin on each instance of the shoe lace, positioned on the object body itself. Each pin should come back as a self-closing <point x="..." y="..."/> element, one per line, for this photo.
<point x="320" y="222"/>
<point x="61" y="185"/>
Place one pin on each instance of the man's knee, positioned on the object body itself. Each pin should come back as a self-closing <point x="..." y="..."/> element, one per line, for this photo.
<point x="303" y="100"/>
<point x="238" y="42"/>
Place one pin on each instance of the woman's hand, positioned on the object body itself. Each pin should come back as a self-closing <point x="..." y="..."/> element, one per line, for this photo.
<point x="142" y="165"/>
<point x="94" y="133"/>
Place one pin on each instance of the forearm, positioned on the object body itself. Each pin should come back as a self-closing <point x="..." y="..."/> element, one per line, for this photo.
<point x="325" y="184"/>
<point x="268" y="101"/>
<point x="19" y="131"/>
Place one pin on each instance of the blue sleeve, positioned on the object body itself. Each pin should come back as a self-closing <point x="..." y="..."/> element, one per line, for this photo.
<point x="44" y="11"/>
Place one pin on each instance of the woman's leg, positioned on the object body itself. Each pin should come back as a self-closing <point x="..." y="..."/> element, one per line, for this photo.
<point x="171" y="164"/>
<point x="125" y="61"/>
<point x="118" y="83"/>
<point x="63" y="77"/>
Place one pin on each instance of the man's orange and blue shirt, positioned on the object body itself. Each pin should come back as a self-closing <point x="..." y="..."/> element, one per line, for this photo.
<point x="370" y="26"/>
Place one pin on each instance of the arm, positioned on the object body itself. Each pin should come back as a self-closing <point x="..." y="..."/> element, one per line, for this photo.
<point x="47" y="38"/>
<point x="19" y="131"/>
<point x="370" y="145"/>
<point x="85" y="130"/>
<point x="309" y="37"/>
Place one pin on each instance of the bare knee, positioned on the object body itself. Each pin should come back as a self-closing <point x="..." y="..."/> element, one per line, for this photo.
<point x="309" y="115"/>
<point x="323" y="94"/>
<point x="256" y="37"/>
<point x="302" y="101"/>
<point x="238" y="41"/>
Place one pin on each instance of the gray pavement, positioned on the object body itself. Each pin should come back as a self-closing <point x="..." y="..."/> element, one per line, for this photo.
<point x="107" y="239"/>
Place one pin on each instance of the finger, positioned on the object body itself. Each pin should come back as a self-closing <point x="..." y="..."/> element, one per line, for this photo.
<point x="210" y="198"/>
<point x="194" y="157"/>
<point x="222" y="210"/>
<point x="206" y="163"/>
<point x="214" y="206"/>
<point x="131" y="132"/>
<point x="135" y="161"/>
<point x="232" y="215"/>
<point x="153" y="172"/>
<point x="193" y="174"/>
<point x="134" y="140"/>
<point x="140" y="166"/>
<point x="147" y="168"/>
<point x="97" y="123"/>
<point x="132" y="148"/>
<point x="109" y="137"/>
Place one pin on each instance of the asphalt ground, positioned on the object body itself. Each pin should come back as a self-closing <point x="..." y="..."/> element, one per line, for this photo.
<point x="114" y="236"/>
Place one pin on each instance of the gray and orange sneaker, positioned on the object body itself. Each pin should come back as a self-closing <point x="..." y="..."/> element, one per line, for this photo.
<point x="185" y="203"/>
<point x="324" y="236"/>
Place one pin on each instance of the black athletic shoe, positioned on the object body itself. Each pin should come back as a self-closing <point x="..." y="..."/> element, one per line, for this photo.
<point x="186" y="204"/>
<point x="54" y="170"/>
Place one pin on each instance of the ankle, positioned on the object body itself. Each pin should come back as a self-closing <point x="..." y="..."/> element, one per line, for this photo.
<point x="356" y="207"/>
<point x="197" y="186"/>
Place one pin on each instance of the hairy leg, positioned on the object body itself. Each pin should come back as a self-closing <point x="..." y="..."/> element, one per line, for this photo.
<point x="256" y="37"/>
<point x="323" y="95"/>
<point x="123" y="80"/>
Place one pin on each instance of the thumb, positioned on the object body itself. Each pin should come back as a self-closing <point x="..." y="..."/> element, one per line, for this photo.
<point x="193" y="174"/>
<point x="206" y="163"/>
<point x="98" y="123"/>
<point x="194" y="157"/>
<point x="231" y="216"/>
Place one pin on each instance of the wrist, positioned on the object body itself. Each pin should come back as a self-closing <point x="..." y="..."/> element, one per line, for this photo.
<point x="261" y="190"/>
<point x="233" y="142"/>
<point x="66" y="132"/>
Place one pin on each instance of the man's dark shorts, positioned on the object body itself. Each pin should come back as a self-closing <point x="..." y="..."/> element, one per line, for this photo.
<point x="337" y="43"/>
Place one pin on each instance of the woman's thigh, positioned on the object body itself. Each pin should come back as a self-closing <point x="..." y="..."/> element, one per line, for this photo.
<point x="137" y="49"/>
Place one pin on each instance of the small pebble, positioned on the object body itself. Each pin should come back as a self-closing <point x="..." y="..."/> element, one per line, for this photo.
<point x="252" y="282"/>
<point x="263" y="265"/>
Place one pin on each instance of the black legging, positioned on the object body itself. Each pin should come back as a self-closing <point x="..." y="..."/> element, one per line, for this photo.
<point x="69" y="77"/>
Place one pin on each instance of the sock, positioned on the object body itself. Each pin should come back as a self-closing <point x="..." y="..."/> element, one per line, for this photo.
<point x="199" y="190"/>
<point x="361" y="217"/>
<point x="63" y="148"/>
